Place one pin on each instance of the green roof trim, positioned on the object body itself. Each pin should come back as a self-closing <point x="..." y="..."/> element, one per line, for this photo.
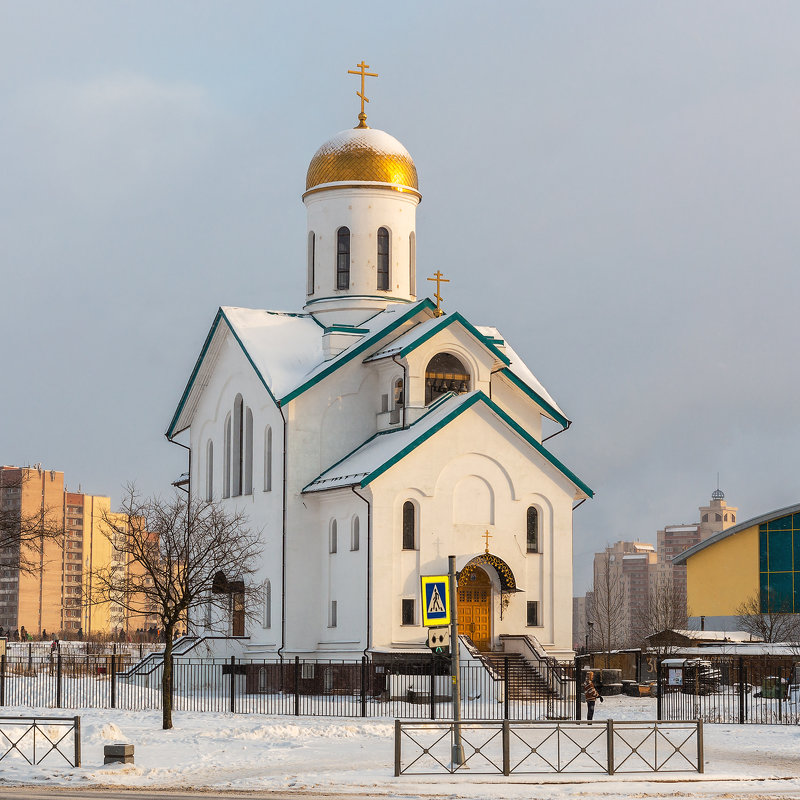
<point x="444" y="322"/>
<point x="190" y="384"/>
<point x="535" y="396"/>
<point x="351" y="353"/>
<point x="340" y="328"/>
<point x="482" y="398"/>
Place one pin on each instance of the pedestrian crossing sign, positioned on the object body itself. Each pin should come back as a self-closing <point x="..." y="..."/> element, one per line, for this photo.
<point x="435" y="601"/>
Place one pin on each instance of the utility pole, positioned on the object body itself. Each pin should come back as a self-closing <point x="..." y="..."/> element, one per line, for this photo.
<point x="457" y="754"/>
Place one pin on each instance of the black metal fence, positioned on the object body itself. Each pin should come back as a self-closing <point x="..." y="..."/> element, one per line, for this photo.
<point x="729" y="689"/>
<point x="32" y="739"/>
<point x="379" y="686"/>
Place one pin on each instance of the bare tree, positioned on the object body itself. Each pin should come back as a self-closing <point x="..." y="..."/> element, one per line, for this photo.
<point x="23" y="532"/>
<point x="665" y="611"/>
<point x="607" y="614"/>
<point x="172" y="557"/>
<point x="771" y="626"/>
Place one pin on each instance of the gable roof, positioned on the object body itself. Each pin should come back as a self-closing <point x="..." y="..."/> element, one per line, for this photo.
<point x="385" y="449"/>
<point x="284" y="349"/>
<point x="748" y="523"/>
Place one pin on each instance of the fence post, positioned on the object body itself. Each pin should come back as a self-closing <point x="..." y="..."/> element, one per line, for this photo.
<point x="433" y="686"/>
<point x="577" y="676"/>
<point x="397" y="733"/>
<point x="77" y="735"/>
<point x="3" y="679"/>
<point x="297" y="686"/>
<point x="506" y="747"/>
<point x="742" y="717"/>
<point x="506" y="696"/>
<point x="659" y="689"/>
<point x="233" y="684"/>
<point x="700" y="752"/>
<point x="610" y="745"/>
<point x="58" y="681"/>
<point x="363" y="686"/>
<point x="114" y="677"/>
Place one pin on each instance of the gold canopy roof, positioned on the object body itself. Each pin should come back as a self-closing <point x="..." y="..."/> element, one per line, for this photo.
<point x="362" y="155"/>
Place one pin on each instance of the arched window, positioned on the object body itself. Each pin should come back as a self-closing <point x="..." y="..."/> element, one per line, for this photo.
<point x="248" y="452"/>
<point x="409" y="526"/>
<point x="718" y="517"/>
<point x="383" y="259"/>
<point x="333" y="544"/>
<point x="237" y="458"/>
<point x="355" y="534"/>
<point x="210" y="471"/>
<point x="267" y="621"/>
<point x="226" y="459"/>
<point x="343" y="258"/>
<point x="398" y="400"/>
<point x="312" y="246"/>
<point x="412" y="264"/>
<point x="705" y="517"/>
<point x="444" y="373"/>
<point x="733" y="517"/>
<point x="533" y="530"/>
<point x="268" y="459"/>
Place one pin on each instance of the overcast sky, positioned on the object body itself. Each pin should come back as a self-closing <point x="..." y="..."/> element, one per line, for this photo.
<point x="613" y="184"/>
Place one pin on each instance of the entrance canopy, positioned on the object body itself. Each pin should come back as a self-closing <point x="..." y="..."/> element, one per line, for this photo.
<point x="469" y="563"/>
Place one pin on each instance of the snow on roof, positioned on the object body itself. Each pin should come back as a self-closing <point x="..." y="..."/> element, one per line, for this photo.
<point x="519" y="368"/>
<point x="283" y="347"/>
<point x="719" y="636"/>
<point x="382" y="447"/>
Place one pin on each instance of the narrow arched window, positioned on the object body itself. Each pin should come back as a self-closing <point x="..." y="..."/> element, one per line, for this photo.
<point x="334" y="537"/>
<point x="268" y="459"/>
<point x="226" y="459"/>
<point x="267" y="621"/>
<point x="248" y="452"/>
<point x="343" y="258"/>
<point x="210" y="471"/>
<point x="412" y="264"/>
<point x="383" y="259"/>
<point x="409" y="526"/>
<point x="398" y="400"/>
<point x="355" y="534"/>
<point x="533" y="530"/>
<point x="312" y="246"/>
<point x="237" y="459"/>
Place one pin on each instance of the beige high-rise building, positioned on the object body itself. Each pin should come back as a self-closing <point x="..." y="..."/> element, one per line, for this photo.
<point x="52" y="595"/>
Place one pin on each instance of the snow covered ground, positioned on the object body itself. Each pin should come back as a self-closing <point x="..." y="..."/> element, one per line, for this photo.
<point x="355" y="756"/>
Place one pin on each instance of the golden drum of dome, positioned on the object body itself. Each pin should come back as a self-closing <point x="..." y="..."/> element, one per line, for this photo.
<point x="359" y="161"/>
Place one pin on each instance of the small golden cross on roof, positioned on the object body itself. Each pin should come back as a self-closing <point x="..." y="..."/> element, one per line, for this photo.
<point x="487" y="536"/>
<point x="439" y="278"/>
<point x="362" y="71"/>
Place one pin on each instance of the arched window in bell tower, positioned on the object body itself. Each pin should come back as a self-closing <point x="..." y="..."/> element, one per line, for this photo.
<point x="383" y="259"/>
<point x="444" y="373"/>
<point x="343" y="258"/>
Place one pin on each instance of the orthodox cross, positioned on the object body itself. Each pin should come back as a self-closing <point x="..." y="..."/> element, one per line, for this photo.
<point x="362" y="71"/>
<point x="487" y="536"/>
<point x="438" y="541"/>
<point x="439" y="278"/>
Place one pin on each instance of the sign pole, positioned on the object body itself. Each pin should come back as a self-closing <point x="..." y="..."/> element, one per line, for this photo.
<point x="457" y="755"/>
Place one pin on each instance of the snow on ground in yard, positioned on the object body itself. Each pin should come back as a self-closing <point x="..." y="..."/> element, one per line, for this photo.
<point x="355" y="756"/>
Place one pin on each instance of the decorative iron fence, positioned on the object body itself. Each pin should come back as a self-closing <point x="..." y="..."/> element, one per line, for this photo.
<point x="380" y="686"/>
<point x="760" y="690"/>
<point x="511" y="747"/>
<point x="35" y="738"/>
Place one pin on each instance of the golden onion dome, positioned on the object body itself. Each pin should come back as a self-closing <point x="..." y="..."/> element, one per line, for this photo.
<point x="362" y="155"/>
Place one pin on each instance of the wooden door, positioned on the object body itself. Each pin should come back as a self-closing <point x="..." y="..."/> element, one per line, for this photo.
<point x="475" y="608"/>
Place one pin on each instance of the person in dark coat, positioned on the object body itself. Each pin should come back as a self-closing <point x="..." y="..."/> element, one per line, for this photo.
<point x="591" y="694"/>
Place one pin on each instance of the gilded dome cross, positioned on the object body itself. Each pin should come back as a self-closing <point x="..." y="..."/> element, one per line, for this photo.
<point x="487" y="536"/>
<point x="362" y="71"/>
<point x="440" y="279"/>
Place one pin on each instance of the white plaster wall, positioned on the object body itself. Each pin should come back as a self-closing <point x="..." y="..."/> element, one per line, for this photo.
<point x="476" y="447"/>
<point x="234" y="375"/>
<point x="363" y="210"/>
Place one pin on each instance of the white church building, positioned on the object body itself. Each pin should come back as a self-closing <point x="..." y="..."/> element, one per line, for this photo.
<point x="371" y="435"/>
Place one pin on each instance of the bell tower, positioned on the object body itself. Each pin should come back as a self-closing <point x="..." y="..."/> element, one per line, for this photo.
<point x="361" y="199"/>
